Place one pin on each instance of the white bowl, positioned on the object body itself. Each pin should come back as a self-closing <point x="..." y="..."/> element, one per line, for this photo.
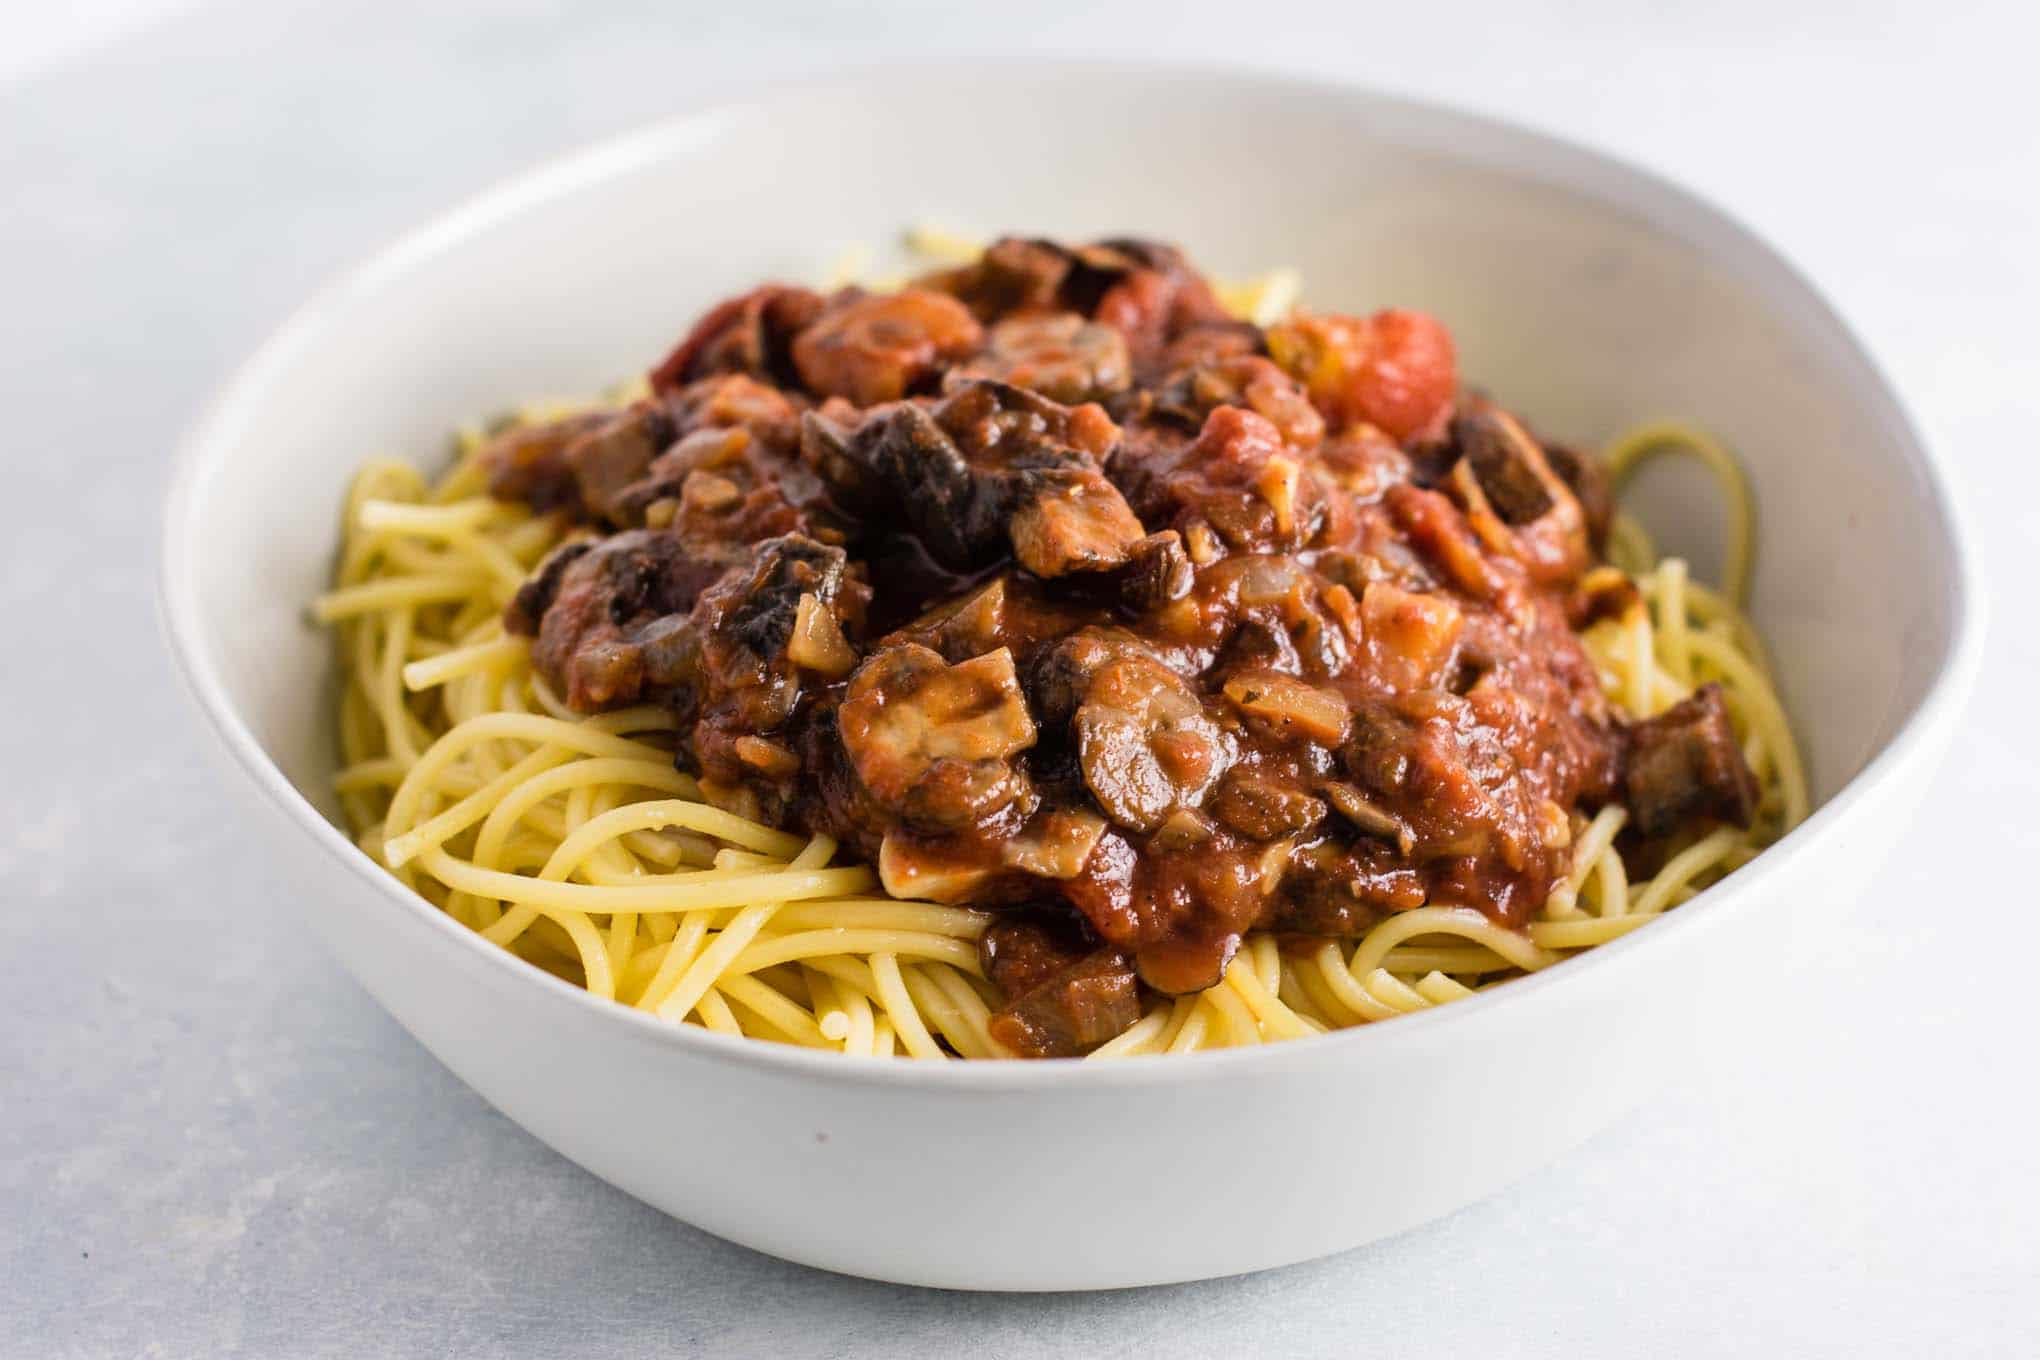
<point x="1583" y="292"/>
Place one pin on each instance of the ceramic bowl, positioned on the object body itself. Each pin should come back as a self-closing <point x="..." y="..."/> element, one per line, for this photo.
<point x="1583" y="292"/>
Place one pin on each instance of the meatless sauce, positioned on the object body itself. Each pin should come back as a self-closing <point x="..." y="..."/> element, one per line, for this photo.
<point x="1054" y="590"/>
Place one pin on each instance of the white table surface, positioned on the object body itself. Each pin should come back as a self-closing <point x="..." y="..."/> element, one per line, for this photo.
<point x="212" y="1143"/>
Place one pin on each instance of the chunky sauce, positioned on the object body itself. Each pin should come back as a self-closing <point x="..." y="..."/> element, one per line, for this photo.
<point x="1052" y="589"/>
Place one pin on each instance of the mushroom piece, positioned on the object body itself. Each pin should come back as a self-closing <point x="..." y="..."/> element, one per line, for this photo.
<point x="1061" y="996"/>
<point x="528" y="462"/>
<point x="1248" y="380"/>
<point x="967" y="626"/>
<point x="1055" y="843"/>
<point x="1290" y="707"/>
<point x="723" y="466"/>
<point x="916" y="869"/>
<point x="935" y="740"/>
<point x="747" y="620"/>
<point x="1157" y="572"/>
<point x="607" y="459"/>
<point x="1071" y="1011"/>
<point x="991" y="468"/>
<point x="639" y="615"/>
<point x="1145" y="289"/>
<point x="591" y="605"/>
<point x="1062" y="356"/>
<point x="1210" y="342"/>
<point x="1264" y="808"/>
<point x="1146" y="746"/>
<point x="1685" y="763"/>
<point x="1510" y="466"/>
<point x="898" y="461"/>
<point x="1514" y="500"/>
<point x="1369" y="816"/>
<point x="873" y="348"/>
<point x="1341" y="888"/>
<point x="1025" y="947"/>
<point x="526" y="610"/>
<point x="1014" y="275"/>
<point x="1071" y="520"/>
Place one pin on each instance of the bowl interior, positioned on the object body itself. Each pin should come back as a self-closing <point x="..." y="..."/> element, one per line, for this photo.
<point x="1583" y="294"/>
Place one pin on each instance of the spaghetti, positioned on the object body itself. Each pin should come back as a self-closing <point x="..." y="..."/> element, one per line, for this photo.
<point x="573" y="841"/>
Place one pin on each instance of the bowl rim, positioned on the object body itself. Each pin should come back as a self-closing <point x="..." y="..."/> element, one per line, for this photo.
<point x="205" y="444"/>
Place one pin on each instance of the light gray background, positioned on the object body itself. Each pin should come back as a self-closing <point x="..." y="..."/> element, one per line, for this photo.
<point x="211" y="1143"/>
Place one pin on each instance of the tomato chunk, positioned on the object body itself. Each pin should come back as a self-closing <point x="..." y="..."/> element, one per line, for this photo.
<point x="1396" y="370"/>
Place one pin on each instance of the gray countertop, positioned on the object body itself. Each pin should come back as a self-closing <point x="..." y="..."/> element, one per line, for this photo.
<point x="212" y="1143"/>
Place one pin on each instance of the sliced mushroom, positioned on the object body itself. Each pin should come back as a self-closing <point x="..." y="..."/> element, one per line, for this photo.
<point x="1344" y="888"/>
<point x="735" y="401"/>
<point x="1540" y="521"/>
<point x="899" y="461"/>
<point x="1144" y="289"/>
<point x="936" y="740"/>
<point x="1290" y="706"/>
<point x="1056" y="843"/>
<point x="730" y="658"/>
<point x="968" y="626"/>
<point x="1368" y="815"/>
<point x="1071" y="520"/>
<point x="1014" y="275"/>
<point x="753" y="608"/>
<point x="873" y="348"/>
<point x="1510" y="466"/>
<point x="1145" y="743"/>
<point x="1062" y="356"/>
<point x="1263" y="807"/>
<point x="921" y="871"/>
<point x="1187" y="963"/>
<point x="1212" y="342"/>
<point x="1151" y="293"/>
